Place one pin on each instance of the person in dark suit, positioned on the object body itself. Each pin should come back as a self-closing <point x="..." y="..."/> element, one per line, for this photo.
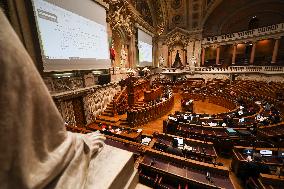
<point x="173" y="149"/>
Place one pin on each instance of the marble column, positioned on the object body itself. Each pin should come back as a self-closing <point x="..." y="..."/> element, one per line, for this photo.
<point x="189" y="52"/>
<point x="275" y="51"/>
<point x="184" y="57"/>
<point x="155" y="54"/>
<point x="234" y="54"/>
<point x="218" y="55"/>
<point x="252" y="55"/>
<point x="203" y="56"/>
<point x="197" y="52"/>
<point x="165" y="54"/>
<point x="170" y="59"/>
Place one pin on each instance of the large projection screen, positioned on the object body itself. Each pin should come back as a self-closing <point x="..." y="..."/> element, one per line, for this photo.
<point x="72" y="34"/>
<point x="145" y="49"/>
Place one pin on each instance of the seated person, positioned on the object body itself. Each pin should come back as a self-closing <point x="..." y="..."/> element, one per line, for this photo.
<point x="173" y="149"/>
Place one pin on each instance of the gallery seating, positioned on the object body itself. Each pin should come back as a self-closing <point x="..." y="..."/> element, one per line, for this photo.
<point x="140" y="115"/>
<point x="177" y="171"/>
<point x="249" y="123"/>
<point x="153" y="94"/>
<point x="192" y="149"/>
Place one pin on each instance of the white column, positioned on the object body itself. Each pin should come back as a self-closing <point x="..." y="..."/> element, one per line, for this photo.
<point x="132" y="52"/>
<point x="170" y="59"/>
<point x="234" y="53"/>
<point x="252" y="55"/>
<point x="203" y="56"/>
<point x="189" y="52"/>
<point x="197" y="52"/>
<point x="155" y="54"/>
<point x="275" y="51"/>
<point x="165" y="55"/>
<point x="184" y="57"/>
<point x="217" y="55"/>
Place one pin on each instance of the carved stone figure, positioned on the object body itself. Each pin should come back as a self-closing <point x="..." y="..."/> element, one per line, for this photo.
<point x="123" y="57"/>
<point x="161" y="61"/>
<point x="177" y="63"/>
<point x="193" y="61"/>
<point x="36" y="149"/>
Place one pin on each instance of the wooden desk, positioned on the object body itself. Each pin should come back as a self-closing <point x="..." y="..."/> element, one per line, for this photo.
<point x="125" y="146"/>
<point x="272" y="180"/>
<point x="200" y="148"/>
<point x="153" y="94"/>
<point x="239" y="159"/>
<point x="194" y="174"/>
<point x="130" y="134"/>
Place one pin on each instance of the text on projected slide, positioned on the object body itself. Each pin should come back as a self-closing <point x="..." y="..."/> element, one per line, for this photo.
<point x="65" y="35"/>
<point x="145" y="52"/>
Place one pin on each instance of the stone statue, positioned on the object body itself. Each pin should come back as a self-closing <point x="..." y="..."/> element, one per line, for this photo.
<point x="123" y="57"/>
<point x="193" y="61"/>
<point x="161" y="61"/>
<point x="177" y="63"/>
<point x="112" y="54"/>
<point x="36" y="149"/>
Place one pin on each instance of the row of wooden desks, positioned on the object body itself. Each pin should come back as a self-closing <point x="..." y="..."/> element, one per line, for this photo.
<point x="125" y="133"/>
<point x="277" y="182"/>
<point x="273" y="160"/>
<point x="190" y="147"/>
<point x="263" y="167"/>
<point x="135" y="149"/>
<point x="193" y="173"/>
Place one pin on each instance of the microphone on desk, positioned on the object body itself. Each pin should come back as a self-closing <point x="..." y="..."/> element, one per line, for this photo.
<point x="208" y="176"/>
<point x="153" y="161"/>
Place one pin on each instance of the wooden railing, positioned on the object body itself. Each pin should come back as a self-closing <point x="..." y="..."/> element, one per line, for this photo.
<point x="116" y="102"/>
<point x="137" y="116"/>
<point x="152" y="94"/>
<point x="230" y="69"/>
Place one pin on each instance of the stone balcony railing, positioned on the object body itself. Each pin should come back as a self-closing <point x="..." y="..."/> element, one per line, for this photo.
<point x="227" y="70"/>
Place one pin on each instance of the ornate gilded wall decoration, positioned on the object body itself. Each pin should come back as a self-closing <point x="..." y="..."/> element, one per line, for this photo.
<point x="176" y="4"/>
<point x="67" y="84"/>
<point x="95" y="103"/>
<point x="177" y="38"/>
<point x="120" y="18"/>
<point x="67" y="112"/>
<point x="122" y="15"/>
<point x="160" y="22"/>
<point x="143" y="8"/>
<point x="177" y="19"/>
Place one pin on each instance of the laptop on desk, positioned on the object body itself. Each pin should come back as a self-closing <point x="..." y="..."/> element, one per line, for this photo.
<point x="231" y="132"/>
<point x="266" y="153"/>
<point x="180" y="142"/>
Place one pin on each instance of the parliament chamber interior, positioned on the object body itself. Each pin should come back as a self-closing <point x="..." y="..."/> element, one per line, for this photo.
<point x="163" y="94"/>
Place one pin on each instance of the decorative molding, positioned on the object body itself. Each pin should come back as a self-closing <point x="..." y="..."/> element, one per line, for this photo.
<point x="119" y="17"/>
<point x="136" y="17"/>
<point x="273" y="31"/>
<point x="181" y="36"/>
<point x="104" y="4"/>
<point x="177" y="38"/>
<point x="67" y="84"/>
<point x="122" y="15"/>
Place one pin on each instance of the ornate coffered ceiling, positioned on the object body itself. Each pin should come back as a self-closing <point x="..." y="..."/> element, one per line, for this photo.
<point x="207" y="16"/>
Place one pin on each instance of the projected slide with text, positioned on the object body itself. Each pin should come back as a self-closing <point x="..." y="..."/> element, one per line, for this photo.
<point x="65" y="35"/>
<point x="145" y="52"/>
